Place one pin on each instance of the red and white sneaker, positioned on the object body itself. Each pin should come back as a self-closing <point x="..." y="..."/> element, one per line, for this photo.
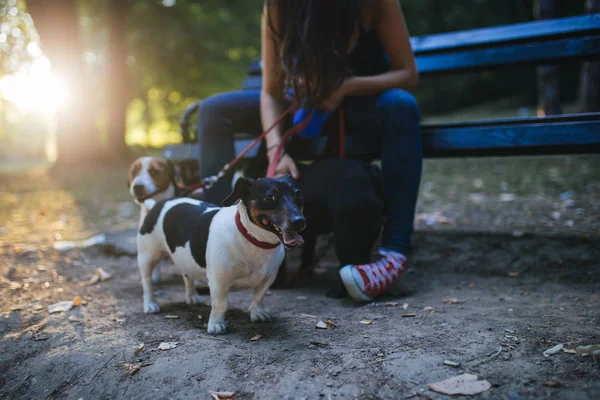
<point x="365" y="282"/>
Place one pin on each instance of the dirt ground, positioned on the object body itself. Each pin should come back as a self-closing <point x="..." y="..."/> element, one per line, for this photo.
<point x="515" y="241"/>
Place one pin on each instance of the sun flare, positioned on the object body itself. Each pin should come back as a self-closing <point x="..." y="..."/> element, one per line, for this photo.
<point x="35" y="88"/>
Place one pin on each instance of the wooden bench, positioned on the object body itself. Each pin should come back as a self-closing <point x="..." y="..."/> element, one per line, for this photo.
<point x="548" y="42"/>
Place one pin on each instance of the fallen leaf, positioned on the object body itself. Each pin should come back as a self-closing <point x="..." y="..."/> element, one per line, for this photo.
<point x="60" y="306"/>
<point x="138" y="349"/>
<point x="17" y="307"/>
<point x="319" y="343"/>
<point x="330" y="323"/>
<point x="513" y="274"/>
<point x="133" y="369"/>
<point x="255" y="338"/>
<point x="308" y="316"/>
<point x="404" y="306"/>
<point x="466" y="384"/>
<point x="429" y="308"/>
<point x="222" y="395"/>
<point x="99" y="275"/>
<point x="391" y="304"/>
<point x="451" y="363"/>
<point x="408" y="315"/>
<point x="366" y="322"/>
<point x="553" y="350"/>
<point x="76" y="301"/>
<point x="167" y="345"/>
<point x="321" y="325"/>
<point x="73" y="318"/>
<point x="552" y="384"/>
<point x="570" y="351"/>
<point x="453" y="300"/>
<point x="592" y="349"/>
<point x="171" y="316"/>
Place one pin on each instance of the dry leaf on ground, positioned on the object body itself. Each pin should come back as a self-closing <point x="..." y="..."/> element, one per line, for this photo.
<point x="133" y="369"/>
<point x="64" y="305"/>
<point x="404" y="306"/>
<point x="99" y="275"/>
<point x="553" y="350"/>
<point x="552" y="384"/>
<point x="255" y="338"/>
<point x="222" y="395"/>
<point x="466" y="384"/>
<point x="366" y="322"/>
<point x="453" y="300"/>
<point x="138" y="349"/>
<point x="167" y="345"/>
<point x="429" y="308"/>
<point x="319" y="343"/>
<point x="451" y="363"/>
<point x="330" y="323"/>
<point x="321" y="325"/>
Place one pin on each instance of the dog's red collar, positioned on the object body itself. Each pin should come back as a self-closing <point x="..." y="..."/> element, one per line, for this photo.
<point x="250" y="238"/>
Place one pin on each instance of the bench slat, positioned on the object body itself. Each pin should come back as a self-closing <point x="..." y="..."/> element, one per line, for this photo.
<point x="504" y="34"/>
<point x="586" y="48"/>
<point x="517" y="139"/>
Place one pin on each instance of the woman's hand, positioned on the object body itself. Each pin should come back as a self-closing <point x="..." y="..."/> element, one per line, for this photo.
<point x="286" y="165"/>
<point x="336" y="98"/>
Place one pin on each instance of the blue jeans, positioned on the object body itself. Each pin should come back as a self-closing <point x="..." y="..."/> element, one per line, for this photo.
<point x="392" y="116"/>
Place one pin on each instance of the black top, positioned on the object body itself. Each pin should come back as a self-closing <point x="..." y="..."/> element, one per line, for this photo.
<point x="368" y="56"/>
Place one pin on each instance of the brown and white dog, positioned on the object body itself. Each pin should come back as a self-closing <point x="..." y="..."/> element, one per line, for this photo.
<point x="151" y="178"/>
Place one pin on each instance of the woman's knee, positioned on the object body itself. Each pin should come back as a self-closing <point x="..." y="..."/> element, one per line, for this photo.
<point x="216" y="105"/>
<point x="398" y="101"/>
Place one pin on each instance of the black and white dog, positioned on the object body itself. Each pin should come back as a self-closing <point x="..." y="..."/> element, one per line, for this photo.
<point x="234" y="247"/>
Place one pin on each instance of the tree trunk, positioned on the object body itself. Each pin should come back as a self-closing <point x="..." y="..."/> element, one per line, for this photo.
<point x="548" y="80"/>
<point x="57" y="23"/>
<point x="117" y="82"/>
<point x="589" y="86"/>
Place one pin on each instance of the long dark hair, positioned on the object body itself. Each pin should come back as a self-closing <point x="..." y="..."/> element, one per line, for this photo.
<point x="313" y="38"/>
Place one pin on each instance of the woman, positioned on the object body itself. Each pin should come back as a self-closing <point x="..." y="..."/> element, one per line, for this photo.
<point x="333" y="53"/>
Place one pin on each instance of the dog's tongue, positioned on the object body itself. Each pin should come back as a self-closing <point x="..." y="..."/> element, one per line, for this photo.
<point x="292" y="238"/>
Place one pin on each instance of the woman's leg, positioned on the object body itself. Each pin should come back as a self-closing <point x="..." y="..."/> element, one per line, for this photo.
<point x="219" y="117"/>
<point x="401" y="165"/>
<point x="397" y="121"/>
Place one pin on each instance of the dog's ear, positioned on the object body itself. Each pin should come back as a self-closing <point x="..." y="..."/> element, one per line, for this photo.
<point x="240" y="190"/>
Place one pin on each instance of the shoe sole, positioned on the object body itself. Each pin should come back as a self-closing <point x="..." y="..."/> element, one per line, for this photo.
<point x="351" y="285"/>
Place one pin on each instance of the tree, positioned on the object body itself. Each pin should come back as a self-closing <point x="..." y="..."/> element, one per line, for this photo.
<point x="57" y="23"/>
<point x="548" y="78"/>
<point x="589" y="89"/>
<point x="117" y="87"/>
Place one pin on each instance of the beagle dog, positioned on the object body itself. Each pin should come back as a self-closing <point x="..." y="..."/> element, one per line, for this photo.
<point x="151" y="178"/>
<point x="234" y="247"/>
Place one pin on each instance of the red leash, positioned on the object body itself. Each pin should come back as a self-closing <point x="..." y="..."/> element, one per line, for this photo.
<point x="209" y="182"/>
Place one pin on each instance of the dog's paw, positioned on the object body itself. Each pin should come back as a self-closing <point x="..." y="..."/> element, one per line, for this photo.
<point x="217" y="328"/>
<point x="194" y="299"/>
<point x="151" y="308"/>
<point x="156" y="276"/>
<point x="259" y="315"/>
